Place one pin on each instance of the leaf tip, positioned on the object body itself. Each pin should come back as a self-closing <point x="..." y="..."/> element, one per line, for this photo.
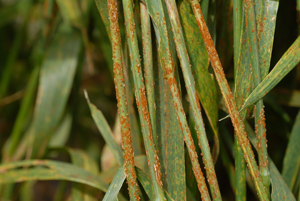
<point x="86" y="96"/>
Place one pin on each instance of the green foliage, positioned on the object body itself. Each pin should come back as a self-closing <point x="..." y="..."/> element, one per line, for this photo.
<point x="149" y="68"/>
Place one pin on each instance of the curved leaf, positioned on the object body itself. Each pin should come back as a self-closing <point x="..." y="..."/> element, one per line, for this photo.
<point x="287" y="62"/>
<point x="50" y="170"/>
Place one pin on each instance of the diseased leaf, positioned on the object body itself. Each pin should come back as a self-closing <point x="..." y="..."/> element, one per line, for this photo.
<point x="242" y="88"/>
<point x="146" y="183"/>
<point x="266" y="13"/>
<point x="56" y="77"/>
<point x="205" y="83"/>
<point x="103" y="11"/>
<point x="115" y="185"/>
<point x="156" y="11"/>
<point x="291" y="161"/>
<point x="280" y="191"/>
<point x="172" y="160"/>
<point x="50" y="170"/>
<point x="287" y="62"/>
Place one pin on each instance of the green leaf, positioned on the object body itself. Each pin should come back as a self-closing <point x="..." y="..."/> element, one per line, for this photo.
<point x="62" y="133"/>
<point x="81" y="159"/>
<point x="105" y="131"/>
<point x="14" y="139"/>
<point x="115" y="185"/>
<point x="287" y="62"/>
<point x="280" y="190"/>
<point x="291" y="161"/>
<point x="146" y="183"/>
<point x="50" y="170"/>
<point x="56" y="77"/>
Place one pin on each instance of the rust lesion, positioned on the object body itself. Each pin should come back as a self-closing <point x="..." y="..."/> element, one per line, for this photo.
<point x="122" y="100"/>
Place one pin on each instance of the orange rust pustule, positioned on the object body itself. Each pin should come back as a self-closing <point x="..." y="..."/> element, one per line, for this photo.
<point x="122" y="101"/>
<point x="263" y="161"/>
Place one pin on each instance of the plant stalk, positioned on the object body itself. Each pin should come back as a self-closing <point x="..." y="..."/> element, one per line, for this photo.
<point x="122" y="100"/>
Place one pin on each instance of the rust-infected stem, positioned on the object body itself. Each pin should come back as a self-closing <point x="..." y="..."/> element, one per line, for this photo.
<point x="148" y="65"/>
<point x="122" y="101"/>
<point x="260" y="128"/>
<point x="229" y="102"/>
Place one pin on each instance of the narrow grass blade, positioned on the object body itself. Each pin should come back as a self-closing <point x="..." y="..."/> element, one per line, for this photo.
<point x="146" y="183"/>
<point x="56" y="77"/>
<point x="170" y="135"/>
<point x="260" y="125"/>
<point x="280" y="190"/>
<point x="122" y="100"/>
<point x="229" y="101"/>
<point x="105" y="131"/>
<point x="266" y="13"/>
<point x="103" y="11"/>
<point x="242" y="85"/>
<point x="148" y="66"/>
<point x="115" y="185"/>
<point x="205" y="84"/>
<point x="49" y="170"/>
<point x="172" y="160"/>
<point x="291" y="161"/>
<point x="26" y="192"/>
<point x="287" y="62"/>
<point x="136" y="134"/>
<point x="141" y="100"/>
<point x="27" y="101"/>
<point x="60" y="191"/>
<point x="156" y="12"/>
<point x="14" y="51"/>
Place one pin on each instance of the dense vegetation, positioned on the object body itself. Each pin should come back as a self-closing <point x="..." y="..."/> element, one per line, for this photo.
<point x="150" y="99"/>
